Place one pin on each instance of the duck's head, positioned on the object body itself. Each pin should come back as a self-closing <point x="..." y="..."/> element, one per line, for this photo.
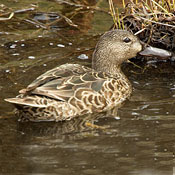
<point x="113" y="48"/>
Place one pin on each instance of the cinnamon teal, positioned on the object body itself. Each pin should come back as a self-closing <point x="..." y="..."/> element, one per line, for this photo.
<point x="72" y="90"/>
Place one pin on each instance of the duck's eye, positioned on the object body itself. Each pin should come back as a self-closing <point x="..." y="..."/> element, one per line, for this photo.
<point x="127" y="40"/>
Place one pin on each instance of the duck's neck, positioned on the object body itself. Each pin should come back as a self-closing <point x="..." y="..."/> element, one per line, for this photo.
<point x="105" y="60"/>
<point x="114" y="71"/>
<point x="108" y="68"/>
<point x="101" y="63"/>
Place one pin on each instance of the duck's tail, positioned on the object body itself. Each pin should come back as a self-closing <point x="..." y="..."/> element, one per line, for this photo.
<point x="28" y="101"/>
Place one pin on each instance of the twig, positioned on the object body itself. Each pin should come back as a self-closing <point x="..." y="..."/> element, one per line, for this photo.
<point x="11" y="14"/>
<point x="24" y="10"/>
<point x="140" y="31"/>
<point x="128" y="61"/>
<point x="169" y="25"/>
<point x="5" y="19"/>
<point x="113" y="14"/>
<point x="69" y="21"/>
<point x="160" y="6"/>
<point x="80" y="5"/>
<point x="35" y="23"/>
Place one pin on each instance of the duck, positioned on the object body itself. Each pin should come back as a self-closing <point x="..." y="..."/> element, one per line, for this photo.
<point x="72" y="90"/>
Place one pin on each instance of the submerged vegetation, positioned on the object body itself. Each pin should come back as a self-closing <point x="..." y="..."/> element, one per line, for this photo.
<point x="152" y="21"/>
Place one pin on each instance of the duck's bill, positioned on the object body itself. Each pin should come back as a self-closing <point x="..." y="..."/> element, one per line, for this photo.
<point x="153" y="51"/>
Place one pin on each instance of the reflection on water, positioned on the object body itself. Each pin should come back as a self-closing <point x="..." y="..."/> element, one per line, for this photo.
<point x="139" y="141"/>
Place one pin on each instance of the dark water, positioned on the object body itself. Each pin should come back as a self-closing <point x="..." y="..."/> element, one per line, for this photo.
<point x="140" y="141"/>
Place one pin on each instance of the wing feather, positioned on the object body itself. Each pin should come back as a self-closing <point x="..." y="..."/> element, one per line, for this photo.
<point x="61" y="84"/>
<point x="62" y="71"/>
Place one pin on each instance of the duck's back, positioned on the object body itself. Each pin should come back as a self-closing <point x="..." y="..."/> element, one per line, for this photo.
<point x="68" y="91"/>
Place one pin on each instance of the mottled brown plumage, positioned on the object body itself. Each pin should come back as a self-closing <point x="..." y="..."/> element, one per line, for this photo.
<point x="72" y="90"/>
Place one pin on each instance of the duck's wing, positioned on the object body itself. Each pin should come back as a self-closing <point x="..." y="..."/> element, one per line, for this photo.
<point x="62" y="71"/>
<point x="61" y="84"/>
<point x="65" y="87"/>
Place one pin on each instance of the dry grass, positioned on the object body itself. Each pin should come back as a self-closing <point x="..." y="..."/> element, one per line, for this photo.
<point x="153" y="21"/>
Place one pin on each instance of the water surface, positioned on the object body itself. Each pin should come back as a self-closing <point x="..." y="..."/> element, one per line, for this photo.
<point x="139" y="141"/>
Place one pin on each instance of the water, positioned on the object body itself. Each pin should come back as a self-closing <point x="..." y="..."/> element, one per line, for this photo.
<point x="139" y="141"/>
